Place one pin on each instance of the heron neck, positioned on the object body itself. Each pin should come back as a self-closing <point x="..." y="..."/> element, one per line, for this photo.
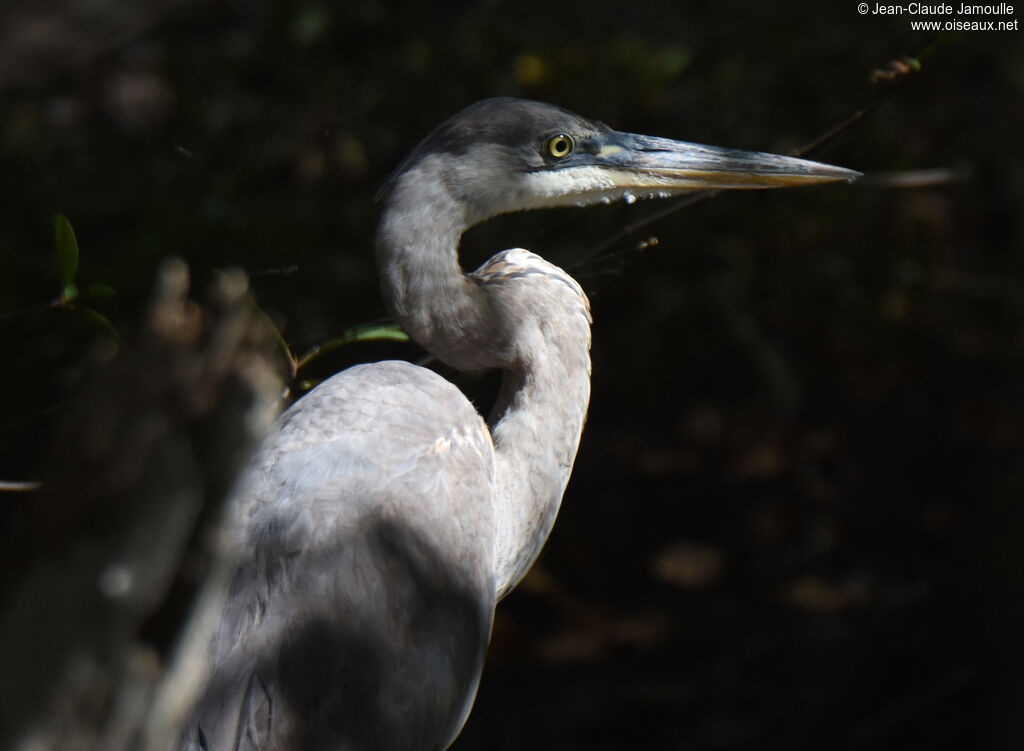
<point x="441" y="308"/>
<point x="536" y="428"/>
<point x="538" y="418"/>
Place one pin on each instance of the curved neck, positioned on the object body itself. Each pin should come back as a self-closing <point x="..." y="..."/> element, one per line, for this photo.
<point x="472" y="323"/>
<point x="439" y="307"/>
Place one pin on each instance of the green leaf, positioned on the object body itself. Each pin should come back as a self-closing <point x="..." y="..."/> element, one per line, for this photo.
<point x="98" y="321"/>
<point x="363" y="333"/>
<point x="391" y="332"/>
<point x="99" y="292"/>
<point x="66" y="245"/>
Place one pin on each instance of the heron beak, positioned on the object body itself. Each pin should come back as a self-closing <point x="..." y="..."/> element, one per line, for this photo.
<point x="661" y="165"/>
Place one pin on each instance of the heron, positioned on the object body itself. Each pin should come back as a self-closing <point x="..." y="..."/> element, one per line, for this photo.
<point x="383" y="517"/>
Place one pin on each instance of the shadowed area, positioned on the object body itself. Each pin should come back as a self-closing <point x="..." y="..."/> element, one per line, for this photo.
<point x="349" y="670"/>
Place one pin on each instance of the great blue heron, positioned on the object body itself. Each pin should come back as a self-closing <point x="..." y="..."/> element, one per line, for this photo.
<point x="383" y="519"/>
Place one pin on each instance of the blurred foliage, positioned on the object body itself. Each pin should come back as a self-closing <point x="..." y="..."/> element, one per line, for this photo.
<point x="66" y="246"/>
<point x="795" y="518"/>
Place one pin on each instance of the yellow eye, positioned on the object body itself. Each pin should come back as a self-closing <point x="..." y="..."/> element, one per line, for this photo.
<point x="560" y="145"/>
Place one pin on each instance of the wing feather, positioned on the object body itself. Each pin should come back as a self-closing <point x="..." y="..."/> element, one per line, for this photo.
<point x="365" y="591"/>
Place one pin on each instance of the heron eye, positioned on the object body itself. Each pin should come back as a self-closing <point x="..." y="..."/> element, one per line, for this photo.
<point x="560" y="145"/>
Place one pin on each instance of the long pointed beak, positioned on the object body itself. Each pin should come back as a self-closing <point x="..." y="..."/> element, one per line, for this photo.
<point x="658" y="165"/>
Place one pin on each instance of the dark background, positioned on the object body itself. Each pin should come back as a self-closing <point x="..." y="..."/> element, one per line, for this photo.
<point x="796" y="517"/>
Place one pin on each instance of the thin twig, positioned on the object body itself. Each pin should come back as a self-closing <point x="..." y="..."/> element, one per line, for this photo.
<point x="15" y="486"/>
<point x="902" y="70"/>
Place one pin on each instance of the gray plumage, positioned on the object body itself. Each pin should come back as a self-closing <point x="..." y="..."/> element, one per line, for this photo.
<point x="382" y="519"/>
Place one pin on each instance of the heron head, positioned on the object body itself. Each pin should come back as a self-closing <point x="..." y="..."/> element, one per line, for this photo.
<point x="502" y="155"/>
